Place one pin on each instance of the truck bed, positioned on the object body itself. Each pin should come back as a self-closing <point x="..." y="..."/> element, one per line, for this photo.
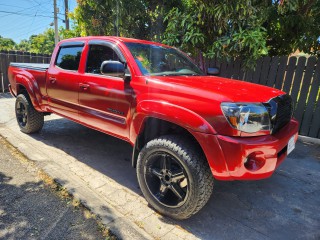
<point x="33" y="66"/>
<point x="37" y="70"/>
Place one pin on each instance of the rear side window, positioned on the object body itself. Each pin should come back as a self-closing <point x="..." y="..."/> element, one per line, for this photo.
<point x="69" y="57"/>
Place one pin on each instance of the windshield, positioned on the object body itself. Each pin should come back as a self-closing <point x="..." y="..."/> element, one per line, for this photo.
<point x="156" y="60"/>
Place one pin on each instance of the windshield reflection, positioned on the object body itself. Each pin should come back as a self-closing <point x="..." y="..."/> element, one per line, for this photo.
<point x="154" y="60"/>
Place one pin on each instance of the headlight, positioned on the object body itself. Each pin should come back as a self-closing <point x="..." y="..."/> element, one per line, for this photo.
<point x="247" y="117"/>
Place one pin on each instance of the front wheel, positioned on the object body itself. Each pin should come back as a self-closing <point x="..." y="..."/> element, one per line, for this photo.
<point x="29" y="119"/>
<point x="174" y="176"/>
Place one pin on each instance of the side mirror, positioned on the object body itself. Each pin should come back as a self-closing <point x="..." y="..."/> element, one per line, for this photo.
<point x="113" y="68"/>
<point x="213" y="71"/>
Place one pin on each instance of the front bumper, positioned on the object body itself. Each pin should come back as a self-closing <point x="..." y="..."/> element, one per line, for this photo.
<point x="228" y="156"/>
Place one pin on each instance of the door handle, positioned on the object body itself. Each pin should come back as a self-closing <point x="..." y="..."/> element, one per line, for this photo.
<point x="52" y="79"/>
<point x="84" y="86"/>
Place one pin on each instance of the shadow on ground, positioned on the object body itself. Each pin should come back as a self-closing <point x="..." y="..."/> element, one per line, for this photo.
<point x="285" y="206"/>
<point x="29" y="211"/>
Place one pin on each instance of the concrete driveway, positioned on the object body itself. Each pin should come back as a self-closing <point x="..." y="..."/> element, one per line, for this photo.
<point x="285" y="206"/>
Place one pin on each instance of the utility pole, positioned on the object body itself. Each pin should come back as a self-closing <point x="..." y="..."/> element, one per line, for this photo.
<point x="66" y="11"/>
<point x="56" y="34"/>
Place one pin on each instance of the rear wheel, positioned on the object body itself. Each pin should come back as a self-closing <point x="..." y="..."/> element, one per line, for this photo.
<point x="29" y="119"/>
<point x="174" y="176"/>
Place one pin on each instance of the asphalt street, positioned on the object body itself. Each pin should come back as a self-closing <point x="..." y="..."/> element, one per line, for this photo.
<point x="31" y="210"/>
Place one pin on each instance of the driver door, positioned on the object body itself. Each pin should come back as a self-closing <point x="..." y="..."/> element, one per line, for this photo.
<point x="104" y="100"/>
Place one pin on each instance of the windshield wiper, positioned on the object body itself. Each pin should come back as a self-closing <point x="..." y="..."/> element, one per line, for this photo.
<point x="179" y="74"/>
<point x="169" y="74"/>
<point x="190" y="74"/>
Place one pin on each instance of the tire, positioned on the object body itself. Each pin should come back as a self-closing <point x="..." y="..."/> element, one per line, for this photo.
<point x="174" y="176"/>
<point x="29" y="119"/>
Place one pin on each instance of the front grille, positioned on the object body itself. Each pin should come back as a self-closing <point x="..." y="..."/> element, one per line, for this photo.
<point x="280" y="109"/>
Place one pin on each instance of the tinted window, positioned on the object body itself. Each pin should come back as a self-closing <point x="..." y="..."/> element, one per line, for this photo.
<point x="97" y="55"/>
<point x="69" y="58"/>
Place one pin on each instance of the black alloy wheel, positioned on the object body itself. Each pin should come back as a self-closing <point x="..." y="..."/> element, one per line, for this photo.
<point x="166" y="179"/>
<point x="28" y="118"/>
<point x="174" y="176"/>
<point x="21" y="113"/>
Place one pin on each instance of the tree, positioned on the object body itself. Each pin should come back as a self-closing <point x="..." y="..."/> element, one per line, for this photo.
<point x="71" y="33"/>
<point x="128" y="18"/>
<point x="43" y="42"/>
<point x="246" y="28"/>
<point x="7" y="44"/>
<point x="226" y="29"/>
<point x="293" y="25"/>
<point x="104" y="17"/>
<point x="24" y="45"/>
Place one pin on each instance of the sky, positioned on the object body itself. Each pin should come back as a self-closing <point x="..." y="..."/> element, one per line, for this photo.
<point x="19" y="19"/>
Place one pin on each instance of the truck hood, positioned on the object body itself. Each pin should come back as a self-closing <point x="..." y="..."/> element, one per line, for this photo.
<point x="215" y="88"/>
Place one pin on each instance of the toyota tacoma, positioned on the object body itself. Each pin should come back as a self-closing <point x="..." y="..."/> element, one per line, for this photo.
<point x="186" y="127"/>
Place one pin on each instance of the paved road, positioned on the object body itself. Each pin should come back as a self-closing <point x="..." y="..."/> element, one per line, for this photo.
<point x="285" y="206"/>
<point x="29" y="210"/>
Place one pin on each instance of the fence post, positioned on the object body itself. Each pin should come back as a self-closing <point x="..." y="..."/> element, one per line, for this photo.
<point x="2" y="82"/>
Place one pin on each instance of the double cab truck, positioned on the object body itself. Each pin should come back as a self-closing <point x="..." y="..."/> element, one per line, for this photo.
<point x="186" y="127"/>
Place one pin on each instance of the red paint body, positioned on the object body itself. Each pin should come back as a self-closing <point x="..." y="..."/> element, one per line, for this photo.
<point x="192" y="102"/>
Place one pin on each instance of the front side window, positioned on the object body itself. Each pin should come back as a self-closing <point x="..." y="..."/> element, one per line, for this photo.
<point x="154" y="60"/>
<point x="69" y="58"/>
<point x="97" y="55"/>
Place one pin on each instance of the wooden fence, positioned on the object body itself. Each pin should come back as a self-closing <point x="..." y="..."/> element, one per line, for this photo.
<point x="298" y="76"/>
<point x="15" y="56"/>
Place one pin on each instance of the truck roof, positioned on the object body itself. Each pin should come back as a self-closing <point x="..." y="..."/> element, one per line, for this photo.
<point x="113" y="38"/>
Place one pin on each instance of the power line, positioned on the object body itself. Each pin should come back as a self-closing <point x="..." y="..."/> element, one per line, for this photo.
<point x="17" y="24"/>
<point x="28" y="33"/>
<point x="34" y="17"/>
<point x="26" y="14"/>
<point x="10" y="13"/>
<point x="24" y="9"/>
<point x="8" y="5"/>
<point x="23" y="14"/>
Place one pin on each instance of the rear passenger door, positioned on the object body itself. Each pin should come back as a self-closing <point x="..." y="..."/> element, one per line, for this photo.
<point x="104" y="101"/>
<point x="63" y="80"/>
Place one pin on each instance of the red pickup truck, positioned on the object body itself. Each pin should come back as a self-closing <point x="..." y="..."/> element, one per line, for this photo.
<point x="186" y="127"/>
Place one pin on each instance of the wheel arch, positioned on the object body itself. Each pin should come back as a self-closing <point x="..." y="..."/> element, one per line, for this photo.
<point x="156" y="118"/>
<point x="24" y="85"/>
<point x="152" y="128"/>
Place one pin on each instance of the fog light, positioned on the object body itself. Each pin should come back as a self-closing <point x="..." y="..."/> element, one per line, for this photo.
<point x="254" y="161"/>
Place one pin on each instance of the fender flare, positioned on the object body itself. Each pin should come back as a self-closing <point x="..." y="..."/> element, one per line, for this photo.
<point x="26" y="80"/>
<point x="169" y="112"/>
